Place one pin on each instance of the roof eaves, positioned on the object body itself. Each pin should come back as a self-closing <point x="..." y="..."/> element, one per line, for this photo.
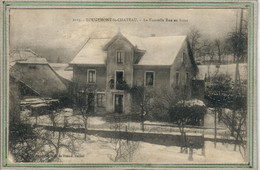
<point x="61" y="78"/>
<point x="146" y="65"/>
<point x="71" y="64"/>
<point x="83" y="46"/>
<point x="179" y="49"/>
<point x="32" y="63"/>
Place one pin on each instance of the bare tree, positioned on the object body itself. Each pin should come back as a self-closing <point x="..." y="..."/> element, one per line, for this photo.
<point x="196" y="42"/>
<point x="24" y="143"/>
<point x="123" y="148"/>
<point x="53" y="117"/>
<point x="194" y="36"/>
<point x="84" y="101"/>
<point x="238" y="125"/>
<point x="142" y="102"/>
<point x="70" y="141"/>
<point x="30" y="144"/>
<point x="209" y="50"/>
<point x="220" y="49"/>
<point x="238" y="40"/>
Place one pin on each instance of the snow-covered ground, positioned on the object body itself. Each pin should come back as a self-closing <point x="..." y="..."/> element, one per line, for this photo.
<point x="99" y="150"/>
<point x="99" y="123"/>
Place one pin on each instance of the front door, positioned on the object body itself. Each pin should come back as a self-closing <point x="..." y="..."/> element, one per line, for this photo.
<point x="119" y="103"/>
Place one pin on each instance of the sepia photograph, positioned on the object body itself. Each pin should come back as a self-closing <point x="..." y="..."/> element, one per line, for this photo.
<point x="129" y="86"/>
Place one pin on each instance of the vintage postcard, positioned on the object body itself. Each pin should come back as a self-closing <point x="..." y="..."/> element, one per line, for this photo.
<point x="128" y="84"/>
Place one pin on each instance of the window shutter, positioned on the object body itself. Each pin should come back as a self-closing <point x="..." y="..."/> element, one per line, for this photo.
<point x="123" y="57"/>
<point x="94" y="76"/>
<point x="103" y="100"/>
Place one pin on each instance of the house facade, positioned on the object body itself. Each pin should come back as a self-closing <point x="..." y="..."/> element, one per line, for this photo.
<point x="115" y="65"/>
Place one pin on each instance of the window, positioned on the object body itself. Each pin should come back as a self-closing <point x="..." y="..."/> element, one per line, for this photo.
<point x="91" y="76"/>
<point x="149" y="78"/>
<point x="101" y="100"/>
<point x="120" y="57"/>
<point x="177" y="78"/>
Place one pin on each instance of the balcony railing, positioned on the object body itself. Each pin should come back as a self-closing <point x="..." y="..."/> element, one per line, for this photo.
<point x="120" y="85"/>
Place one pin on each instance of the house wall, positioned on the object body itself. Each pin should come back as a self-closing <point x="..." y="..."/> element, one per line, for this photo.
<point x="126" y="67"/>
<point x="110" y="101"/>
<point x="182" y="65"/>
<point x="164" y="76"/>
<point x="161" y="76"/>
<point x="80" y="76"/>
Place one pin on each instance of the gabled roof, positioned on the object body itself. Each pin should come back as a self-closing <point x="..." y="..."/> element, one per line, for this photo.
<point x="34" y="72"/>
<point x="92" y="52"/>
<point x="157" y="50"/>
<point x="25" y="56"/>
<point x="62" y="70"/>
<point x="118" y="35"/>
<point x="39" y="77"/>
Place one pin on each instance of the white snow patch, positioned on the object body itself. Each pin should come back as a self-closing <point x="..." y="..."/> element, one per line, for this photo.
<point x="193" y="102"/>
<point x="68" y="110"/>
<point x="96" y="120"/>
<point x="98" y="150"/>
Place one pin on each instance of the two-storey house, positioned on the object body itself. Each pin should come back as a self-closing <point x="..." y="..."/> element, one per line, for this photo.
<point x="120" y="63"/>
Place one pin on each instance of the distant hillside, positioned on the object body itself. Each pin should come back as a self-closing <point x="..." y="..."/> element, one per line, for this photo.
<point x="229" y="69"/>
<point x="55" y="55"/>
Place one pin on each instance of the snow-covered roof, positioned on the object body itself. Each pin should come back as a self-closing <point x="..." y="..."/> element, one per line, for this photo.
<point x="92" y="52"/>
<point x="34" y="61"/>
<point x="158" y="50"/>
<point x="39" y="105"/>
<point x="229" y="69"/>
<point x="61" y="70"/>
<point x="39" y="77"/>
<point x="26" y="56"/>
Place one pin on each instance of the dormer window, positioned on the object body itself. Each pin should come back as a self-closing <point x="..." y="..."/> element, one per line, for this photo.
<point x="120" y="57"/>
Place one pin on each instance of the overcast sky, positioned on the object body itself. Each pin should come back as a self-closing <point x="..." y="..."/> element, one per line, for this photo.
<point x="53" y="33"/>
